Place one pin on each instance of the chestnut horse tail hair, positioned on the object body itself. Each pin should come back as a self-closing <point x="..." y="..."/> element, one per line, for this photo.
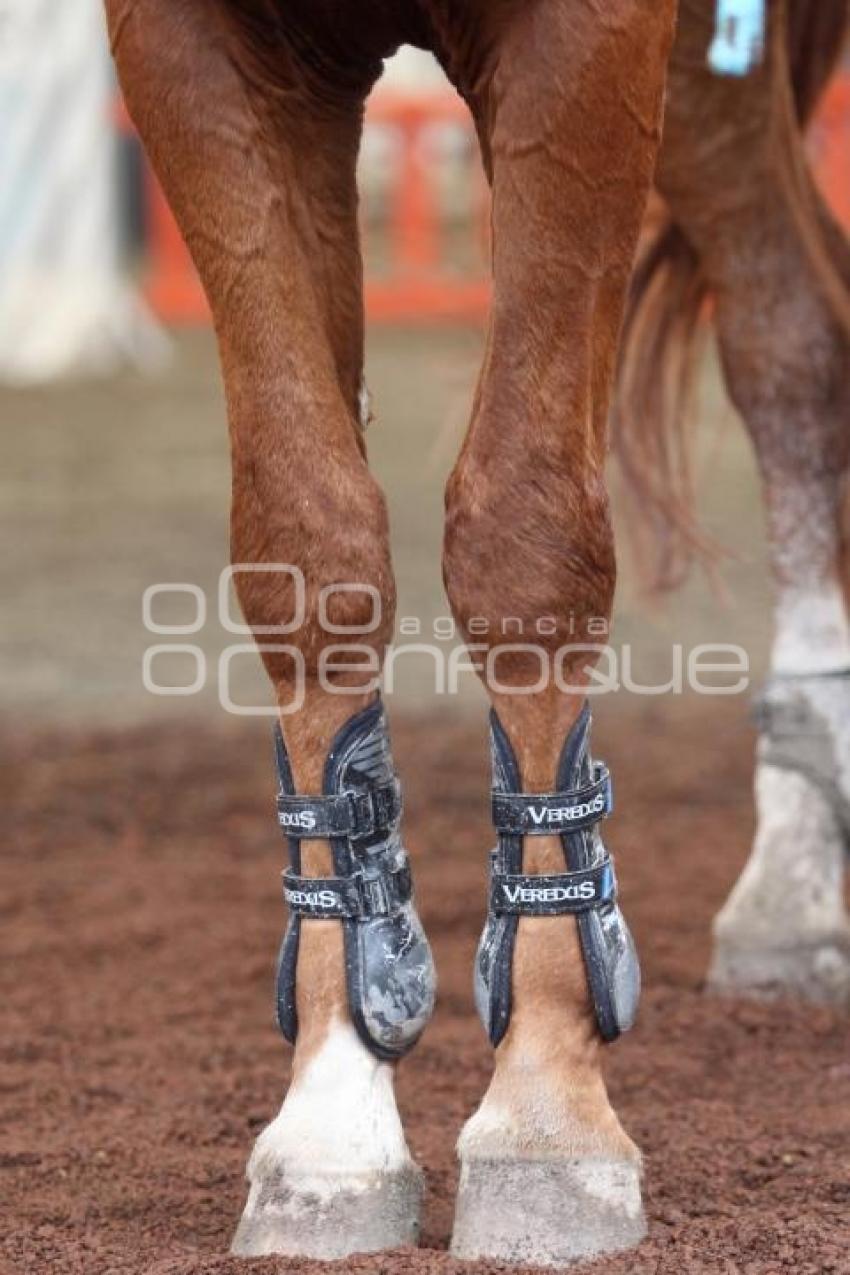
<point x="662" y="338"/>
<point x="664" y="331"/>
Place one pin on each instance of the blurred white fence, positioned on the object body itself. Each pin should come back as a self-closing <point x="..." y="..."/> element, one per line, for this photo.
<point x="65" y="303"/>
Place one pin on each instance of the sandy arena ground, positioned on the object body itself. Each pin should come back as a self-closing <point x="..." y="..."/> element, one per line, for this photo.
<point x="139" y="885"/>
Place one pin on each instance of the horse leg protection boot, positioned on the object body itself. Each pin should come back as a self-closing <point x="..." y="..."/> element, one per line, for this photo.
<point x="389" y="970"/>
<point x="587" y="889"/>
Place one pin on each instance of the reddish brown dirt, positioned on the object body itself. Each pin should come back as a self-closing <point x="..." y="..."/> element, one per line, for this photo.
<point x="138" y="1060"/>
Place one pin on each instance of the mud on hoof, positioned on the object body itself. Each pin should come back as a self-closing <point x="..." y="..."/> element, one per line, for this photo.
<point x="547" y="1212"/>
<point x="309" y="1215"/>
<point x="817" y="972"/>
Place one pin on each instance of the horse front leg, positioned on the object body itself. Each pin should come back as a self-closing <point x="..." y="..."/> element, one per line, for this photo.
<point x="570" y="123"/>
<point x="258" y="161"/>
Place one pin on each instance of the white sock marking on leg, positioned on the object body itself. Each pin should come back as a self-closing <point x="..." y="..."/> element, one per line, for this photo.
<point x="812" y="630"/>
<point x="339" y="1117"/>
<point x="790" y="889"/>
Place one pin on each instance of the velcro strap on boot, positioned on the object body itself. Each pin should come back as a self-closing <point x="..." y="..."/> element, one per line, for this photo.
<point x="553" y="813"/>
<point x="357" y="897"/>
<point x="558" y="894"/>
<point x="348" y="814"/>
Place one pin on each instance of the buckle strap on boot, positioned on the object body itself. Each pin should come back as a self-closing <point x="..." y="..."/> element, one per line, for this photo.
<point x="347" y="814"/>
<point x="556" y="894"/>
<point x="356" y="897"/>
<point x="543" y="814"/>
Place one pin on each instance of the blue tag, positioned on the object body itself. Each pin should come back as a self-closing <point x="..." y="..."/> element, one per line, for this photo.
<point x="739" y="37"/>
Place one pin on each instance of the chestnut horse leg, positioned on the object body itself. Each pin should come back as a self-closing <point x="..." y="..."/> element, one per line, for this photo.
<point x="569" y="120"/>
<point x="735" y="174"/>
<point x="258" y="162"/>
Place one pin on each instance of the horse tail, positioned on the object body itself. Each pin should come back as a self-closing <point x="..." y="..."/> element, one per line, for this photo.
<point x="663" y="333"/>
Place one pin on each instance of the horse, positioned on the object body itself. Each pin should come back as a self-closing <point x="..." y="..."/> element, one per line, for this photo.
<point x="252" y="112"/>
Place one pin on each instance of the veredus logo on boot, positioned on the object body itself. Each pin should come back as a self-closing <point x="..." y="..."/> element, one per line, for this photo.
<point x="305" y="820"/>
<point x="311" y="898"/>
<point x="583" y="890"/>
<point x="548" y="816"/>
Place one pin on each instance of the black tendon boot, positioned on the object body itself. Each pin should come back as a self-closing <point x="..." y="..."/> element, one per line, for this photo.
<point x="388" y="966"/>
<point x="587" y="889"/>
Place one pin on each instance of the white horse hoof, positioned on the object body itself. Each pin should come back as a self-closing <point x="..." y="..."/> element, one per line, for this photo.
<point x="816" y="972"/>
<point x="330" y="1217"/>
<point x="546" y="1212"/>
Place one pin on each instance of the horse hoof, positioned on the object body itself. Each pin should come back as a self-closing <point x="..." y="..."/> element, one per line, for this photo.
<point x="546" y="1212"/>
<point x="816" y="972"/>
<point x="311" y="1215"/>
